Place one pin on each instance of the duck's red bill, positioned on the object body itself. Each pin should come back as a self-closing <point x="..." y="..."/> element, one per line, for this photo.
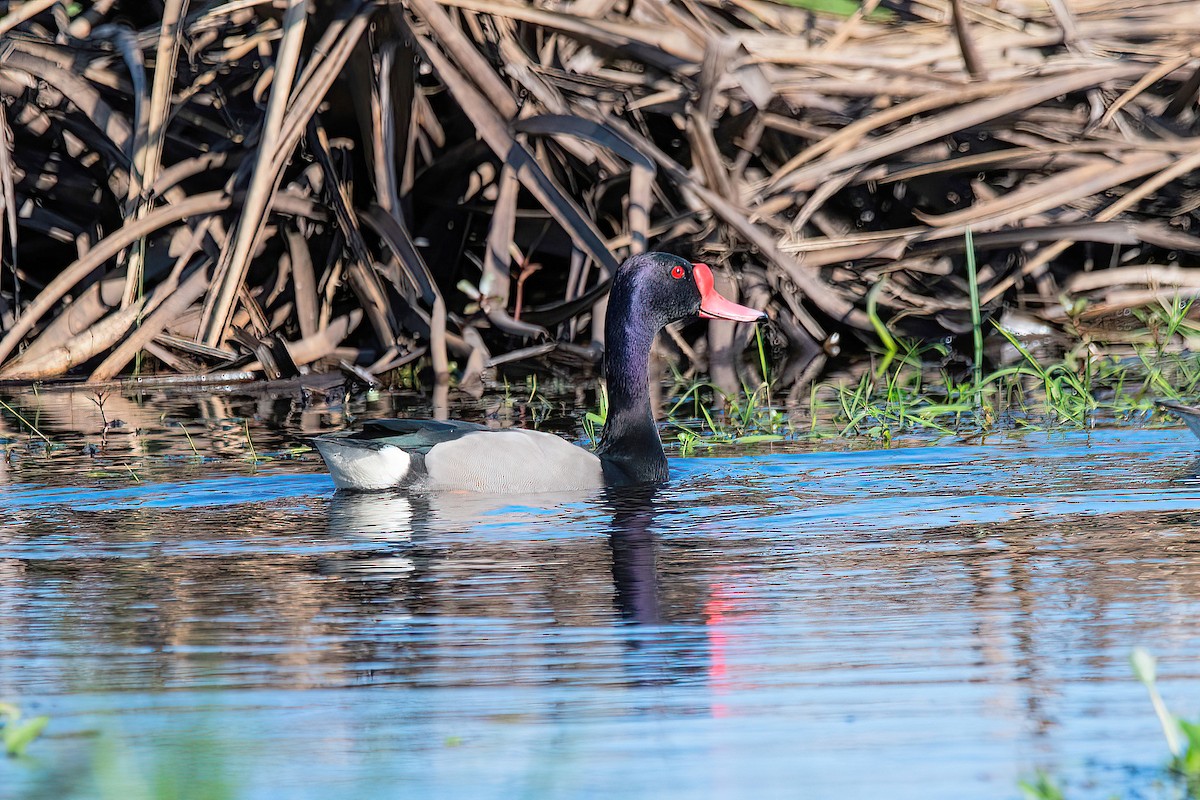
<point x="714" y="306"/>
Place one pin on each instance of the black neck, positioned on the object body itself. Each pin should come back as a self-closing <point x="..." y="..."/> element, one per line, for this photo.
<point x="630" y="448"/>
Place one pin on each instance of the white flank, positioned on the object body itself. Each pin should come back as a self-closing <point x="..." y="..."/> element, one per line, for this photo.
<point x="364" y="468"/>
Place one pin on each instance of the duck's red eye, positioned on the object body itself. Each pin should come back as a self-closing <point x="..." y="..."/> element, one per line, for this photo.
<point x="677" y="272"/>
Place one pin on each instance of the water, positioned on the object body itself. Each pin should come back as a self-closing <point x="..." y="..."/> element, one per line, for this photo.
<point x="924" y="621"/>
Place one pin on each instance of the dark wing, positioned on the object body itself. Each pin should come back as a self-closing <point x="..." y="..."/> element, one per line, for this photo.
<point x="412" y="435"/>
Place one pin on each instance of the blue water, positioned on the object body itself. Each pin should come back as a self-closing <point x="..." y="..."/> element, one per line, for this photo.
<point x="929" y="621"/>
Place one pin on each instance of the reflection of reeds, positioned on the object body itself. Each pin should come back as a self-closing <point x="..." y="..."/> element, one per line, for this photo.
<point x="455" y="178"/>
<point x="30" y="426"/>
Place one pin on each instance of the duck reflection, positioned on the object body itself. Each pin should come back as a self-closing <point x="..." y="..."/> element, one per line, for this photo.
<point x="411" y="521"/>
<point x="386" y="519"/>
<point x="381" y="518"/>
<point x="657" y="649"/>
<point x="1191" y="474"/>
<point x="634" y="554"/>
<point x="416" y="552"/>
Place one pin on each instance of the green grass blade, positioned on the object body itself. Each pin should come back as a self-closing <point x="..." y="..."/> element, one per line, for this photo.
<point x="19" y="735"/>
<point x="881" y="330"/>
<point x="976" y="324"/>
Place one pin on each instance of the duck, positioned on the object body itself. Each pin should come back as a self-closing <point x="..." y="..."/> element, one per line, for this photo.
<point x="648" y="292"/>
<point x="1189" y="414"/>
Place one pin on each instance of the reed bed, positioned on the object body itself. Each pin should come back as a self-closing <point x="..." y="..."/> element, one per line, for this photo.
<point x="278" y="187"/>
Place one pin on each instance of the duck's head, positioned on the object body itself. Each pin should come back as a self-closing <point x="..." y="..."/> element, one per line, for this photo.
<point x="661" y="288"/>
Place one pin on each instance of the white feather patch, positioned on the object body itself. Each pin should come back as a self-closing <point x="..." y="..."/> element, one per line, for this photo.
<point x="362" y="468"/>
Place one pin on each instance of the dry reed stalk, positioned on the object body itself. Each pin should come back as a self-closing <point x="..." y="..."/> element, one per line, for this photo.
<point x="426" y="165"/>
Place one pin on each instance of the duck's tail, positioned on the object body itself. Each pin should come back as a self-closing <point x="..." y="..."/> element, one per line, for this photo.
<point x="362" y="464"/>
